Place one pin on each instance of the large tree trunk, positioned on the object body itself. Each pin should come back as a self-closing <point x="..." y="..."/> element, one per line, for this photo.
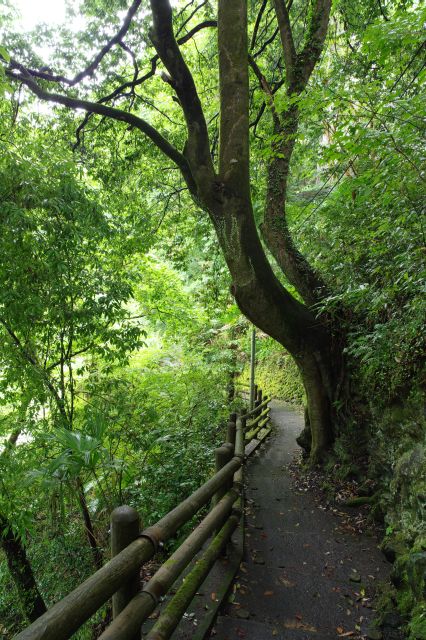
<point x="227" y="198"/>
<point x="316" y="372"/>
<point x="263" y="300"/>
<point x="257" y="290"/>
<point x="225" y="194"/>
<point x="20" y="569"/>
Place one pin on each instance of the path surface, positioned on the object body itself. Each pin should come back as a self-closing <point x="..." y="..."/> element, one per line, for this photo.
<point x="295" y="583"/>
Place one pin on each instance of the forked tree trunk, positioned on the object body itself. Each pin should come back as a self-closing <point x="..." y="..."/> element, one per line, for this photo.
<point x="258" y="292"/>
<point x="225" y="194"/>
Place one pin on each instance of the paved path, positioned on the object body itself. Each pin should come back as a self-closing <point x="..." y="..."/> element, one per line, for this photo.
<point x="295" y="582"/>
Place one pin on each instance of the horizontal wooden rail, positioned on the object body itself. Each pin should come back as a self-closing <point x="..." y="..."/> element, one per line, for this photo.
<point x="260" y="406"/>
<point x="67" y="615"/>
<point x="171" y="616"/>
<point x="253" y="433"/>
<point x="173" y="613"/>
<point x="127" y="624"/>
<point x="254" y="422"/>
<point x="224" y="487"/>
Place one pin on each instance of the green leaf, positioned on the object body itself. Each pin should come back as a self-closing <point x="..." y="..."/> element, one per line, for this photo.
<point x="4" y="54"/>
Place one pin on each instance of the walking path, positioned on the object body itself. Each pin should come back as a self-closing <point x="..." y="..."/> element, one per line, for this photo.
<point x="303" y="578"/>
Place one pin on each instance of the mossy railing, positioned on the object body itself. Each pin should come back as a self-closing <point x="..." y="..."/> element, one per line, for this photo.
<point x="119" y="578"/>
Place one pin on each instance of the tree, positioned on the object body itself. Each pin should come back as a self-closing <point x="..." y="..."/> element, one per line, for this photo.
<point x="14" y="548"/>
<point x="64" y="290"/>
<point x="223" y="189"/>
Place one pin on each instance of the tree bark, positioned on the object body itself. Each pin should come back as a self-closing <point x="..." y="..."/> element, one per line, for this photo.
<point x="275" y="230"/>
<point x="263" y="300"/>
<point x="299" y="68"/>
<point x="19" y="566"/>
<point x="88" y="525"/>
<point x="258" y="292"/>
<point x="21" y="572"/>
<point x="318" y="433"/>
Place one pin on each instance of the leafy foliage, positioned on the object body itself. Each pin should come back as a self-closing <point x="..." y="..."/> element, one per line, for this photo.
<point x="119" y="336"/>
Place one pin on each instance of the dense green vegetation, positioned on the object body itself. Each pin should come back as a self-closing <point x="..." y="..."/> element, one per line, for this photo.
<point x="120" y="327"/>
<point x="104" y="343"/>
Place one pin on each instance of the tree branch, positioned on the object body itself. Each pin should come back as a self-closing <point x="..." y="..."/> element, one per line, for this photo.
<point x="275" y="230"/>
<point x="198" y="147"/>
<point x="69" y="356"/>
<point x="32" y="360"/>
<point x="134" y="61"/>
<point x="257" y="24"/>
<point x="91" y="68"/>
<point x="267" y="90"/>
<point x="149" y="74"/>
<point x="191" y="15"/>
<point x="287" y="41"/>
<point x="309" y="56"/>
<point x="266" y="43"/>
<point x="119" y="91"/>
<point x="110" y="112"/>
<point x="382" y="11"/>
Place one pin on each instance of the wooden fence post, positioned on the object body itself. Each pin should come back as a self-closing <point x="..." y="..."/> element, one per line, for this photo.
<point x="125" y="528"/>
<point x="258" y="401"/>
<point x="231" y="432"/>
<point x="252" y="367"/>
<point x="243" y="419"/>
<point x="222" y="456"/>
<point x="256" y="412"/>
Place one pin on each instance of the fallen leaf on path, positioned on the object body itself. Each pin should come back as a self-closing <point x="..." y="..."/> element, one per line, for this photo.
<point x="268" y="593"/>
<point x="285" y="582"/>
<point x="243" y="613"/>
<point x="296" y="624"/>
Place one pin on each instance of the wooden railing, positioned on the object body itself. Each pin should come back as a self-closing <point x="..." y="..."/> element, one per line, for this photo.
<point x="119" y="578"/>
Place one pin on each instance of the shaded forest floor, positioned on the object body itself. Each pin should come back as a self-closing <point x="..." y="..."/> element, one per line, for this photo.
<point x="311" y="571"/>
